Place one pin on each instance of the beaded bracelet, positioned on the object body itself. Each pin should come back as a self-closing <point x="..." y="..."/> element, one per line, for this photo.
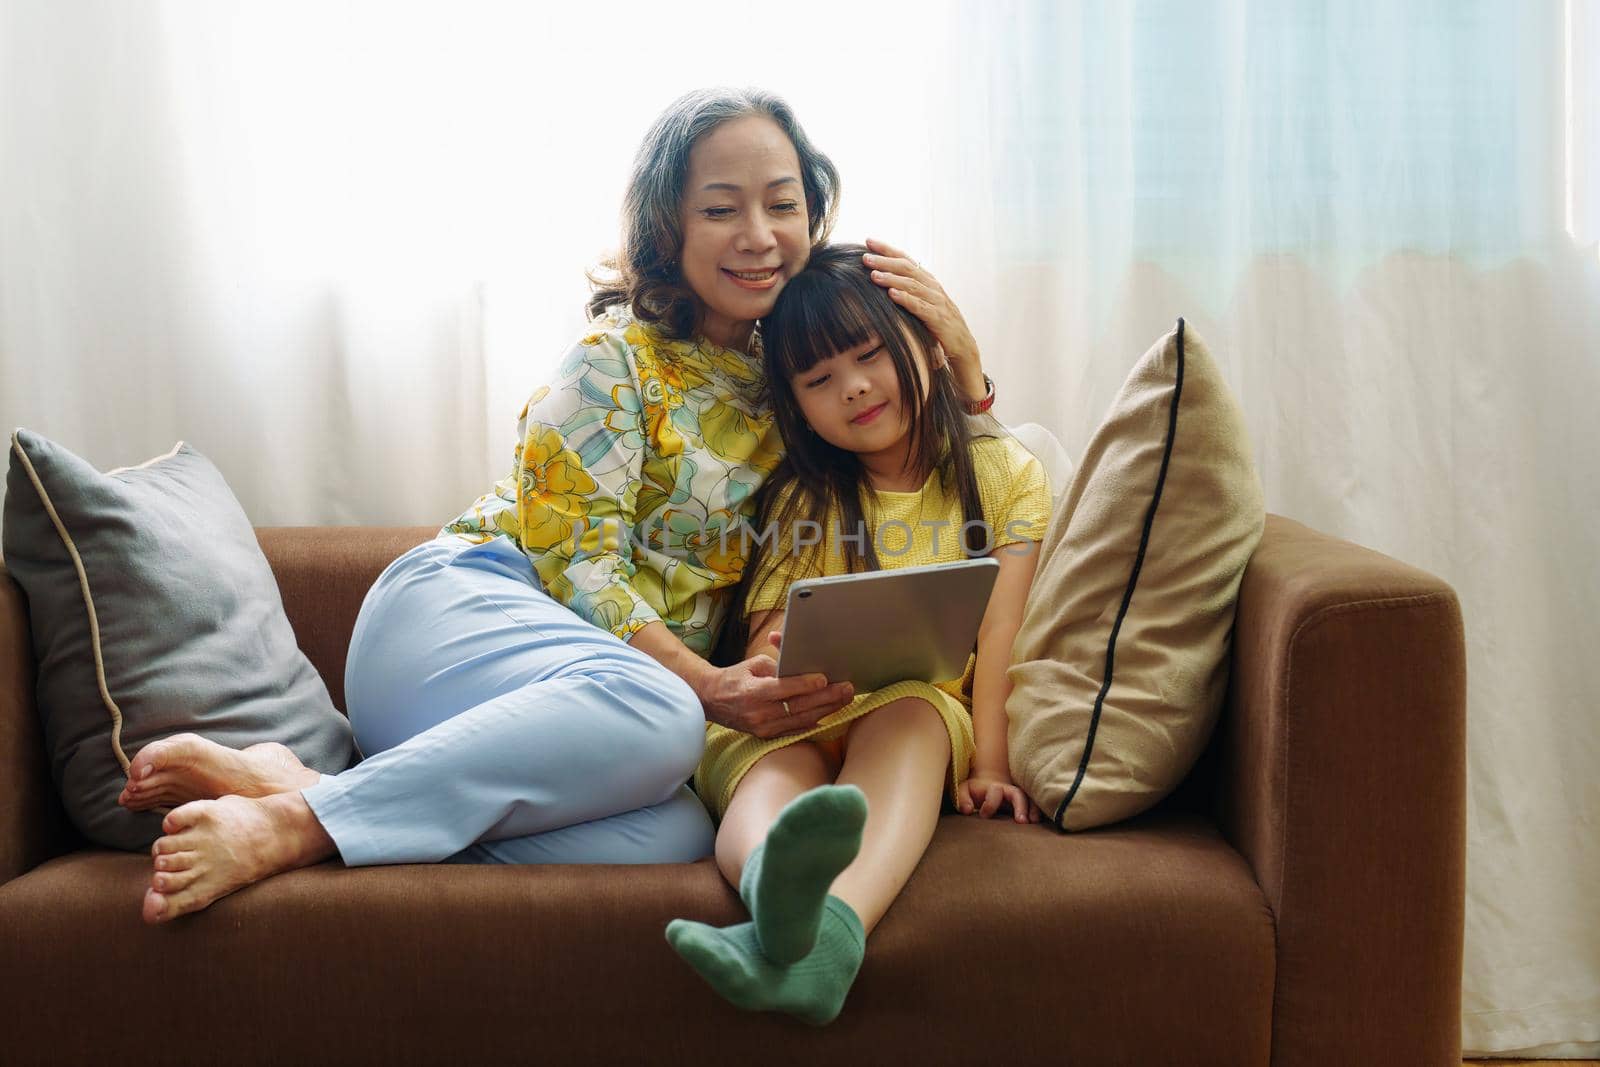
<point x="978" y="407"/>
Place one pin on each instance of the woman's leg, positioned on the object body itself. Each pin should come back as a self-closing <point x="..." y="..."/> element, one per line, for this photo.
<point x="677" y="830"/>
<point x="563" y="751"/>
<point x="488" y="711"/>
<point x="499" y="714"/>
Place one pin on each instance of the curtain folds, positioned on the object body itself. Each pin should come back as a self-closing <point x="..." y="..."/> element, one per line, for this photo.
<point x="334" y="248"/>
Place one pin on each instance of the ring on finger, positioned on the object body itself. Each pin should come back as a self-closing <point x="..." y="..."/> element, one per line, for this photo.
<point x="785" y="704"/>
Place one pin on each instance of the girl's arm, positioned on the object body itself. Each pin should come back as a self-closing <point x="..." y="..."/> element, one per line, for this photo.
<point x="762" y="624"/>
<point x="991" y="767"/>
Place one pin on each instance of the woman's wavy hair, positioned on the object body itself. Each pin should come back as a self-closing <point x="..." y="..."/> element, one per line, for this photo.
<point x="829" y="307"/>
<point x="645" y="274"/>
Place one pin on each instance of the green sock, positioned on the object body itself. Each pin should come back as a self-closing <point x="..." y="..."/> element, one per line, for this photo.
<point x="813" y="989"/>
<point x="786" y="879"/>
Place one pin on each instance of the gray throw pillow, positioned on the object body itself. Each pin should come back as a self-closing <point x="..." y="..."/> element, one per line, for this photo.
<point x="153" y="612"/>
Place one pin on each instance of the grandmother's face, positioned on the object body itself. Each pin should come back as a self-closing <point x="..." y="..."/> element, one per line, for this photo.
<point x="744" y="224"/>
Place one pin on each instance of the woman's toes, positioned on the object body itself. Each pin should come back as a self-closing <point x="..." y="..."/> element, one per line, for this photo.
<point x="184" y="817"/>
<point x="145" y="799"/>
<point x="154" y="909"/>
<point x="174" y="845"/>
<point x="161" y="907"/>
<point x="167" y="883"/>
<point x="152" y="757"/>
<point x="176" y="861"/>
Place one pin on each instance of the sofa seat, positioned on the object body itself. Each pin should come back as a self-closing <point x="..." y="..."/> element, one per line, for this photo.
<point x="1149" y="941"/>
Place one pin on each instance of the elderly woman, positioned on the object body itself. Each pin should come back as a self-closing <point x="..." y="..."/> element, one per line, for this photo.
<point x="533" y="684"/>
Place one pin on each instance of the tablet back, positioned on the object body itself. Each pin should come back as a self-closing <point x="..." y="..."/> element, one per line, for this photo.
<point x="887" y="626"/>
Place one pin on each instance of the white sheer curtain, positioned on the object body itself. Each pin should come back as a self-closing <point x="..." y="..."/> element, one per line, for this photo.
<point x="1383" y="217"/>
<point x="334" y="246"/>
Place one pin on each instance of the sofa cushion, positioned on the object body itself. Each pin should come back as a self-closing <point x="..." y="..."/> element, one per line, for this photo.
<point x="1120" y="666"/>
<point x="152" y="612"/>
<point x="1148" y="942"/>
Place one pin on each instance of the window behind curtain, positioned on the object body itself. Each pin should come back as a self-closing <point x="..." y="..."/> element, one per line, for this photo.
<point x="1364" y="127"/>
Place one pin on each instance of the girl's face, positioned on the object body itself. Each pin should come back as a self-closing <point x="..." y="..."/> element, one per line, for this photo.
<point x="852" y="398"/>
<point x="745" y="230"/>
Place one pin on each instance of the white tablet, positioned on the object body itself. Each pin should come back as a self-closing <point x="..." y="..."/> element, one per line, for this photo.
<point x="916" y="623"/>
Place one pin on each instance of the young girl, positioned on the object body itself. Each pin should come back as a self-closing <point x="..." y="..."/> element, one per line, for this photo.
<point x="880" y="454"/>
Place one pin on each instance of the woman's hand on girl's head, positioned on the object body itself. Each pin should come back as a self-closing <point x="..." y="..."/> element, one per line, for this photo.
<point x="913" y="288"/>
<point x="750" y="697"/>
<point x="987" y="794"/>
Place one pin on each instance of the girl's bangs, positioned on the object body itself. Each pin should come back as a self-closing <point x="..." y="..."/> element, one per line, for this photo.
<point x="822" y="316"/>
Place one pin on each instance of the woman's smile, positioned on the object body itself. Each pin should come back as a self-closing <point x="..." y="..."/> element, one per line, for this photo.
<point x="753" y="279"/>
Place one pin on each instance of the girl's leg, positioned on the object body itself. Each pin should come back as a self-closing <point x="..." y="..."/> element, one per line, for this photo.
<point x="768" y="787"/>
<point x="899" y="757"/>
<point x="892" y="779"/>
<point x="784" y="839"/>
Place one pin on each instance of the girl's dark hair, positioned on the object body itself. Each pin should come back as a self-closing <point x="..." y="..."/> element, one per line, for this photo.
<point x="831" y="306"/>
<point x="645" y="273"/>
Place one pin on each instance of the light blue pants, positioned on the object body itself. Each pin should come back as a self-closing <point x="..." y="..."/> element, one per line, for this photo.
<point x="499" y="727"/>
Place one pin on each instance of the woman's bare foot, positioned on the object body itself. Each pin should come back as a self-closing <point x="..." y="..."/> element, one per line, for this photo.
<point x="214" y="847"/>
<point x="185" y="767"/>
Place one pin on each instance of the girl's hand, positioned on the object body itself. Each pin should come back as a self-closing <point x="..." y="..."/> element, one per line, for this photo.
<point x="750" y="697"/>
<point x="913" y="288"/>
<point x="987" y="793"/>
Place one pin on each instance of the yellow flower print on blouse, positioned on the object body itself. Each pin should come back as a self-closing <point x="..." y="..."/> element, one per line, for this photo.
<point x="730" y="432"/>
<point x="626" y="468"/>
<point x="661" y="388"/>
<point x="723" y="548"/>
<point x="553" y="490"/>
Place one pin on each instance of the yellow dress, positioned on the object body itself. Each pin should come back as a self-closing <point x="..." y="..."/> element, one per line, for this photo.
<point x="913" y="529"/>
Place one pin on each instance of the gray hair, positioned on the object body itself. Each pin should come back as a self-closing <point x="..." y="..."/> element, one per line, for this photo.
<point x="645" y="273"/>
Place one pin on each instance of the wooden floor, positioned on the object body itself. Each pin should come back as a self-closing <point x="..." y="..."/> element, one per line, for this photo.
<point x="1530" y="1063"/>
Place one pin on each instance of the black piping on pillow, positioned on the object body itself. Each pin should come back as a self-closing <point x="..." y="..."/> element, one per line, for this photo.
<point x="1127" y="593"/>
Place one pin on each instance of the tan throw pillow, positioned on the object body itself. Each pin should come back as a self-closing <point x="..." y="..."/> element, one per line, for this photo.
<point x="1121" y="664"/>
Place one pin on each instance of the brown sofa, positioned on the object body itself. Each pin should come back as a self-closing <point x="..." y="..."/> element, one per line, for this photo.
<point x="1299" y="900"/>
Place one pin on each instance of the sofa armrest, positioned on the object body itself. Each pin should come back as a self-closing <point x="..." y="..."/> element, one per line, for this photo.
<point x="33" y="825"/>
<point x="1343" y="784"/>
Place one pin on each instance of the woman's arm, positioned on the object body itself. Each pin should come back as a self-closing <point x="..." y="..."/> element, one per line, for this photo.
<point x="578" y="470"/>
<point x="991" y="685"/>
<point x="579" y="464"/>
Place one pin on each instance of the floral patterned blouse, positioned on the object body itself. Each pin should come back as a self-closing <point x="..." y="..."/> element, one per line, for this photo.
<point x="631" y="478"/>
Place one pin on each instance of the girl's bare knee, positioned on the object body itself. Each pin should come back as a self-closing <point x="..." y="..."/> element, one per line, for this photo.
<point x="912" y="715"/>
<point x="802" y="761"/>
<point x="783" y="773"/>
<point x="910" y="710"/>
